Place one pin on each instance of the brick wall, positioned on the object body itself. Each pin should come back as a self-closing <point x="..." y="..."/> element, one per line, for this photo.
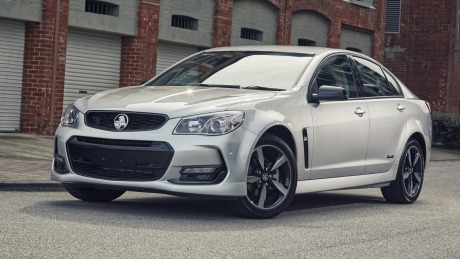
<point x="341" y="13"/>
<point x="43" y="88"/>
<point x="455" y="108"/>
<point x="421" y="55"/>
<point x="42" y="91"/>
<point x="222" y="23"/>
<point x="139" y="54"/>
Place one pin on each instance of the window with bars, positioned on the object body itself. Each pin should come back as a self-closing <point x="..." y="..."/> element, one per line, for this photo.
<point x="184" y="22"/>
<point x="354" y="49"/>
<point x="393" y="16"/>
<point x="366" y="3"/>
<point x="305" y="42"/>
<point x="101" y="7"/>
<point x="251" y="34"/>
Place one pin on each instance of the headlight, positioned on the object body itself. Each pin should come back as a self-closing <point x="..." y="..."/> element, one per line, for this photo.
<point x="70" y="117"/>
<point x="210" y="124"/>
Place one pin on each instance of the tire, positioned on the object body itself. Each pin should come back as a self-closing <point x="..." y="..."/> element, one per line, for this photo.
<point x="92" y="194"/>
<point x="270" y="187"/>
<point x="407" y="186"/>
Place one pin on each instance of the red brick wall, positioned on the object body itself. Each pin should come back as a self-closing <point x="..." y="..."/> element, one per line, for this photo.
<point x="222" y="23"/>
<point x="343" y="13"/>
<point x="337" y="11"/>
<point x="37" y="112"/>
<point x="42" y="96"/>
<point x="139" y="54"/>
<point x="421" y="55"/>
<point x="455" y="102"/>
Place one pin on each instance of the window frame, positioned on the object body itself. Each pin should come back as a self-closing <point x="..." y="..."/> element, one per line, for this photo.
<point x="307" y="41"/>
<point x="258" y="34"/>
<point x="384" y="70"/>
<point x="362" y="3"/>
<point x="102" y="8"/>
<point x="184" y="22"/>
<point x="310" y="98"/>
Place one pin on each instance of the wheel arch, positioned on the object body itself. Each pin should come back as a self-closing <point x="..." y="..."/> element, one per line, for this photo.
<point x="421" y="140"/>
<point x="285" y="134"/>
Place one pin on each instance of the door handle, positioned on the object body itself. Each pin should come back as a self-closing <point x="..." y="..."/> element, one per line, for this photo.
<point x="400" y="108"/>
<point x="359" y="112"/>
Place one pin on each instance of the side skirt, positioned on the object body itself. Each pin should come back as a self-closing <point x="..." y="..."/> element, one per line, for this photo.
<point x="348" y="182"/>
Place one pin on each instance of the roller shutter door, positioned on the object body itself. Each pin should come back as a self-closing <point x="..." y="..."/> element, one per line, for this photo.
<point x="169" y="54"/>
<point x="310" y="27"/>
<point x="92" y="64"/>
<point x="356" y="40"/>
<point x="11" y="67"/>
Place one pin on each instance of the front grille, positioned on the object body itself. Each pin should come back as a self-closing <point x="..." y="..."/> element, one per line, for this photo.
<point x="114" y="142"/>
<point x="119" y="160"/>
<point x="136" y="121"/>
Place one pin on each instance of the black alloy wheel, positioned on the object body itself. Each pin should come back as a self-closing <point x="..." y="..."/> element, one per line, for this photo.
<point x="409" y="180"/>
<point x="271" y="179"/>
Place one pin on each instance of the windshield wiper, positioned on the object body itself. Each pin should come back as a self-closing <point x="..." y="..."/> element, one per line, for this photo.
<point x="256" y="87"/>
<point x="252" y="87"/>
<point x="218" y="85"/>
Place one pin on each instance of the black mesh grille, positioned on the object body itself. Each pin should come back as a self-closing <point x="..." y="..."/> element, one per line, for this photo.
<point x="119" y="160"/>
<point x="136" y="121"/>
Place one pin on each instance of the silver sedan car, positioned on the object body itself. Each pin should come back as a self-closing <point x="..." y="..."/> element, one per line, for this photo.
<point x="253" y="124"/>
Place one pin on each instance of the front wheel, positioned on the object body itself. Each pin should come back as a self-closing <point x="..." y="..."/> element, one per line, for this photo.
<point x="92" y="194"/>
<point x="407" y="186"/>
<point x="271" y="179"/>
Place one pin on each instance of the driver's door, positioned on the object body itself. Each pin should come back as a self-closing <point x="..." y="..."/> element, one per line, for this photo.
<point x="340" y="128"/>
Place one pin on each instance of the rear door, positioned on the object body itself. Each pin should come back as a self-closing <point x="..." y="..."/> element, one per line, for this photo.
<point x="387" y="115"/>
<point x="340" y="128"/>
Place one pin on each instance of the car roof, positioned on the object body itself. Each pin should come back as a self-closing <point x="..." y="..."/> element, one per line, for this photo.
<point x="281" y="48"/>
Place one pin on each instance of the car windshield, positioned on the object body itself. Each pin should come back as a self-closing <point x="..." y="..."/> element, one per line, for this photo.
<point x="259" y="70"/>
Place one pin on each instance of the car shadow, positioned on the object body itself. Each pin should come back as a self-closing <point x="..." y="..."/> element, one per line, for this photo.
<point x="195" y="214"/>
<point x="327" y="199"/>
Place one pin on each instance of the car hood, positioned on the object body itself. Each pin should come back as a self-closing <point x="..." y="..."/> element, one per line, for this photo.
<point x="174" y="101"/>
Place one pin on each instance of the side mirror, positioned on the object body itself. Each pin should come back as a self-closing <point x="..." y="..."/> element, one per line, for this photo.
<point x="327" y="92"/>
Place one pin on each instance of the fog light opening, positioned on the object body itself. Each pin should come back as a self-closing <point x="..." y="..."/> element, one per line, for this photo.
<point x="59" y="164"/>
<point x="202" y="174"/>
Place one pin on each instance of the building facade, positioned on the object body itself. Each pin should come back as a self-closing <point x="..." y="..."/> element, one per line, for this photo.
<point x="55" y="51"/>
<point x="422" y="49"/>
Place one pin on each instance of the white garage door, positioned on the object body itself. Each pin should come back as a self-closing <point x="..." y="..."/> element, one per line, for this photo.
<point x="309" y="28"/>
<point x="11" y="67"/>
<point x="356" y="40"/>
<point x="169" y="54"/>
<point x="92" y="64"/>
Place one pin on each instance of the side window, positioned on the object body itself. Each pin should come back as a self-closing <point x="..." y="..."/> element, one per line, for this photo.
<point x="393" y="84"/>
<point x="373" y="78"/>
<point x="335" y="71"/>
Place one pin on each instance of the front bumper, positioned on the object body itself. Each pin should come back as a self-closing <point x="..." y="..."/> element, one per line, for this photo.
<point x="231" y="151"/>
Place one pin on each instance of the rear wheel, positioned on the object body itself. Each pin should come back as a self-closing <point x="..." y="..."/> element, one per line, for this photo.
<point x="92" y="194"/>
<point x="271" y="179"/>
<point x="406" y="187"/>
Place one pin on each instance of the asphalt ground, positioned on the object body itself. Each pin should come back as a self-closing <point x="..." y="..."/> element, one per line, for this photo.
<point x="339" y="224"/>
<point x="25" y="160"/>
<point x="39" y="220"/>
